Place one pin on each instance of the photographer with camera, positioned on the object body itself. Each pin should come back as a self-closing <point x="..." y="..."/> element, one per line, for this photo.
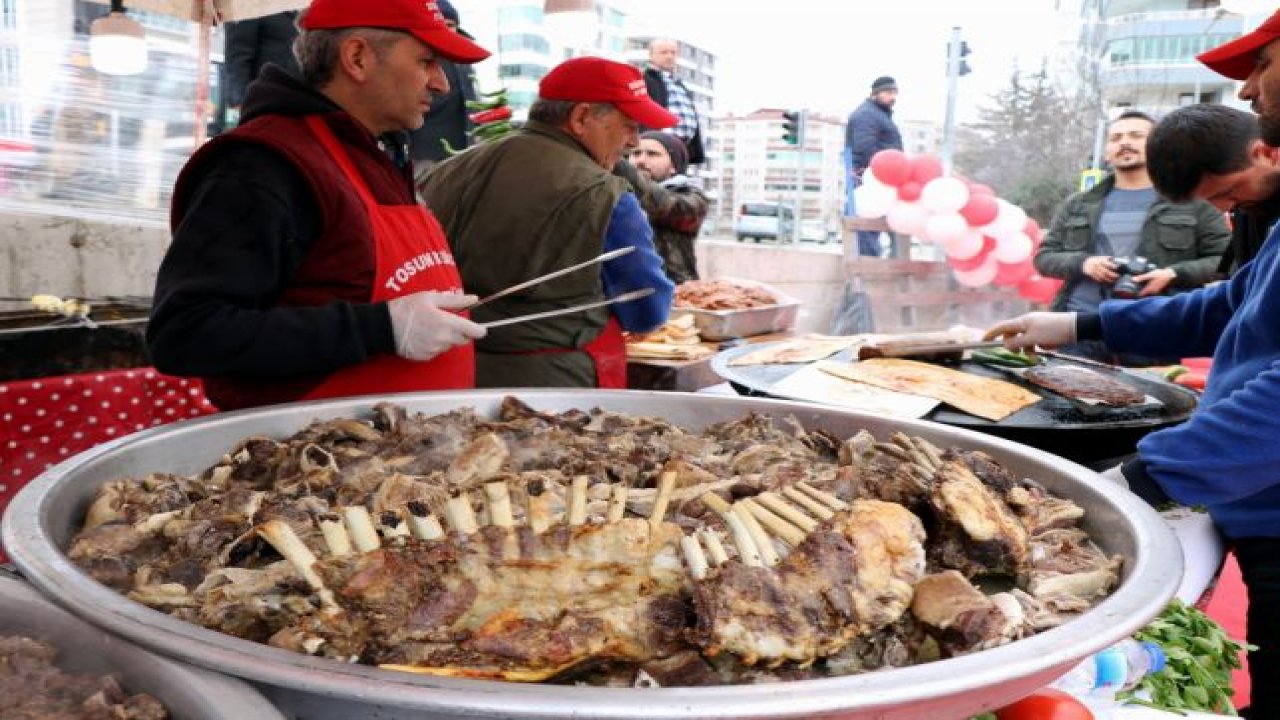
<point x="1121" y="239"/>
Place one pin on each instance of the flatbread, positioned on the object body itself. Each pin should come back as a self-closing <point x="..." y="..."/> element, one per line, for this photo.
<point x="668" y="351"/>
<point x="811" y="384"/>
<point x="804" y="349"/>
<point x="993" y="400"/>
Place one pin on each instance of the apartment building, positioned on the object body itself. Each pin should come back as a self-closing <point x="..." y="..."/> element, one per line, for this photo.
<point x="1143" y="52"/>
<point x="759" y="166"/>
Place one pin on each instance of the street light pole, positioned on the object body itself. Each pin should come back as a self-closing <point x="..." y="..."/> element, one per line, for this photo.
<point x="953" y="75"/>
<point x="802" y="137"/>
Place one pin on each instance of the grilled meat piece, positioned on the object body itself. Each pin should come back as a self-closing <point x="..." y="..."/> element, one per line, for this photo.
<point x="849" y="578"/>
<point x="1081" y="383"/>
<point x="977" y="532"/>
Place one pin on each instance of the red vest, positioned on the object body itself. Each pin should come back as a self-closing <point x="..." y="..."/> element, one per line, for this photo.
<point x="367" y="252"/>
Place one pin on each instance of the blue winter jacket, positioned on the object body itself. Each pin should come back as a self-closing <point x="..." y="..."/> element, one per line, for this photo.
<point x="1227" y="455"/>
<point x="870" y="129"/>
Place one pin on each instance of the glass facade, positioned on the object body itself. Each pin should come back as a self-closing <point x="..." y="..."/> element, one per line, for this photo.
<point x="524" y="41"/>
<point x="1163" y="50"/>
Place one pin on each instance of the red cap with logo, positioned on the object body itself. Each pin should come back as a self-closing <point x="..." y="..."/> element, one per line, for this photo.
<point x="596" y="80"/>
<point x="1237" y="58"/>
<point x="420" y="18"/>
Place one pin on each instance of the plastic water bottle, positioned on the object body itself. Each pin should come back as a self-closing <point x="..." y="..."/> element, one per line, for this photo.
<point x="1097" y="679"/>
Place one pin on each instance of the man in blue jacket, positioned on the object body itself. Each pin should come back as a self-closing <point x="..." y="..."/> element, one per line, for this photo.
<point x="871" y="129"/>
<point x="1226" y="457"/>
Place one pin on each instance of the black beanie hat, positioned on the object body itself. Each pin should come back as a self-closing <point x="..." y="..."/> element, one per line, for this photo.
<point x="675" y="147"/>
<point x="884" y="82"/>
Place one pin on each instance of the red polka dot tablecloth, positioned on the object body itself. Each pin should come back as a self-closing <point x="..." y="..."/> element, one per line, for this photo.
<point x="46" y="421"/>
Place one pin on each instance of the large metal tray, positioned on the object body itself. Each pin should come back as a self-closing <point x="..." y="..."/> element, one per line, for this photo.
<point x="716" y="325"/>
<point x="1055" y="424"/>
<point x="188" y="693"/>
<point x="43" y="517"/>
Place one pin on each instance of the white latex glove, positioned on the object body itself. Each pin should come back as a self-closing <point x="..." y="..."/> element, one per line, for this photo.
<point x="1043" y="329"/>
<point x="424" y="327"/>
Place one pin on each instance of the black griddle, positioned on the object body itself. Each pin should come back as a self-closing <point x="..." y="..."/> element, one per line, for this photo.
<point x="1056" y="424"/>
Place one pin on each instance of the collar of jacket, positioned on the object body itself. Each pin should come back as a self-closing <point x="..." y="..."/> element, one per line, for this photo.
<point x="534" y="127"/>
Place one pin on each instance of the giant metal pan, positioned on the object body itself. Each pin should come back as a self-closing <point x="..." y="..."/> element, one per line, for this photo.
<point x="45" y="514"/>
<point x="188" y="693"/>
<point x="1054" y="424"/>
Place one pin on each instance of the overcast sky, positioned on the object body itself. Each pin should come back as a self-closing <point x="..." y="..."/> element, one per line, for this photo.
<point x="823" y="54"/>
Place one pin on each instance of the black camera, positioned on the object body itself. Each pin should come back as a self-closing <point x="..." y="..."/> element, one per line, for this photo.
<point x="1125" y="286"/>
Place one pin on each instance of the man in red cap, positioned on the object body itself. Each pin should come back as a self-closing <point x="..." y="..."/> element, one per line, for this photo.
<point x="1225" y="457"/>
<point x="544" y="198"/>
<point x="301" y="266"/>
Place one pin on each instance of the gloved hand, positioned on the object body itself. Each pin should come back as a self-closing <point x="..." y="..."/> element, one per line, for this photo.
<point x="424" y="327"/>
<point x="1043" y="329"/>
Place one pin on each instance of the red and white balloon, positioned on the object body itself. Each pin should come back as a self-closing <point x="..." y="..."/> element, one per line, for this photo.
<point x="987" y="239"/>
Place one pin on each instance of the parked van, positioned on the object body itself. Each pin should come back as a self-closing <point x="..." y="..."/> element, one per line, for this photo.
<point x="765" y="220"/>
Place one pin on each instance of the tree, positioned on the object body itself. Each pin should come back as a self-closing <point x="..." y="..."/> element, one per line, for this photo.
<point x="1030" y="144"/>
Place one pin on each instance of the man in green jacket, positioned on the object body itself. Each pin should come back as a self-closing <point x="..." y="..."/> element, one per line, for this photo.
<point x="544" y="198"/>
<point x="1120" y="239"/>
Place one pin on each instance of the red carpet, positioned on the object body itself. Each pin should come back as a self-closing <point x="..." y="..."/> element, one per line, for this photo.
<point x="1227" y="607"/>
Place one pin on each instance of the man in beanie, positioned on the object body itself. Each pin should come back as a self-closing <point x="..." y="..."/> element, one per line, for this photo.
<point x="676" y="206"/>
<point x="871" y="129"/>
<point x="1225" y="457"/>
<point x="448" y="122"/>
<point x="301" y="265"/>
<point x="543" y="198"/>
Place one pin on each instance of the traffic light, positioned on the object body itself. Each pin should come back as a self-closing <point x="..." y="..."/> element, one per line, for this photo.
<point x="957" y="54"/>
<point x="793" y="127"/>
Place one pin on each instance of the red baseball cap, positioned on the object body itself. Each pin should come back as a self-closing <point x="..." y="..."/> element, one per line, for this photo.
<point x="1237" y="58"/>
<point x="420" y="18"/>
<point x="593" y="79"/>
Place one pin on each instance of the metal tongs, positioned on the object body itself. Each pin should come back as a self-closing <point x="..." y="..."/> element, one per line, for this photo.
<point x="625" y="297"/>
<point x="550" y="276"/>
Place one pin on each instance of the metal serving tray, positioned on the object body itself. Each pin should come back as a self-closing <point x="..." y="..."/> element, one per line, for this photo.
<point x="715" y="325"/>
<point x="44" y="516"/>
<point x="188" y="693"/>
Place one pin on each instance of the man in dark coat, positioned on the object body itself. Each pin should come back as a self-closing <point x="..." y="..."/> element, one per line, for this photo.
<point x="871" y="129"/>
<point x="448" y="120"/>
<point x="251" y="44"/>
<point x="668" y="91"/>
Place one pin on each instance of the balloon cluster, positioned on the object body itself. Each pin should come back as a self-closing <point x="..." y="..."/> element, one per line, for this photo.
<point x="987" y="240"/>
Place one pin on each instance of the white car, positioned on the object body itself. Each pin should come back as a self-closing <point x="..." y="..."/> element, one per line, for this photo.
<point x="764" y="220"/>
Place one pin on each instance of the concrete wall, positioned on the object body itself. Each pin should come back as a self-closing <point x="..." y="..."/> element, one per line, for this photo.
<point x="904" y="295"/>
<point x="77" y="257"/>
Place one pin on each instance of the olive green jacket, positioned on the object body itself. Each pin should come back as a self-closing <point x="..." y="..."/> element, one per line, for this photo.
<point x="1187" y="237"/>
<point x="515" y="208"/>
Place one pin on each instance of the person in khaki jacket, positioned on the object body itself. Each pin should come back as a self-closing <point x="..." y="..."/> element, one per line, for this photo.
<point x="1121" y="239"/>
<point x="542" y="198"/>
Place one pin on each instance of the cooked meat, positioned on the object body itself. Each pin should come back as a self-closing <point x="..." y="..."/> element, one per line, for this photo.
<point x="978" y="534"/>
<point x="1081" y="383"/>
<point x="590" y="546"/>
<point x="720" y="295"/>
<point x="847" y="579"/>
<point x="961" y="617"/>
<point x="32" y="687"/>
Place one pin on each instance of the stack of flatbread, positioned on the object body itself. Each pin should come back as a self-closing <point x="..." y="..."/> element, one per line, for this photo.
<point x="677" y="339"/>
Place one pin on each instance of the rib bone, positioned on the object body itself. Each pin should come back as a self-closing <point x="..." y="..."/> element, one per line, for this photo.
<point x="360" y="525"/>
<point x="291" y="548"/>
